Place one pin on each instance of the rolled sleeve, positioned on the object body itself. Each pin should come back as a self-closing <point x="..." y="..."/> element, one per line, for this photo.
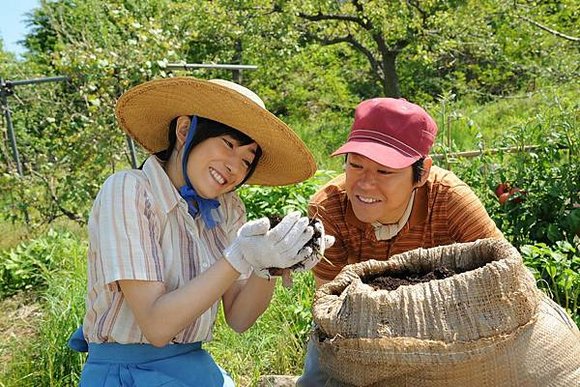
<point x="128" y="231"/>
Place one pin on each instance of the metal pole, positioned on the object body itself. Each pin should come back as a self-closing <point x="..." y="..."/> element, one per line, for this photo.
<point x="131" y="146"/>
<point x="476" y="153"/>
<point x="189" y="66"/>
<point x="237" y="73"/>
<point x="36" y="80"/>
<point x="6" y="90"/>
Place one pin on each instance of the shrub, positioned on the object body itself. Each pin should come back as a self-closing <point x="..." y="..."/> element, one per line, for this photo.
<point x="54" y="265"/>
<point x="267" y="201"/>
<point x="546" y="208"/>
<point x="557" y="270"/>
<point x="27" y="265"/>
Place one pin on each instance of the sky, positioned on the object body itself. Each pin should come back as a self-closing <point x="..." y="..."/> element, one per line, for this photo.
<point x="12" y="22"/>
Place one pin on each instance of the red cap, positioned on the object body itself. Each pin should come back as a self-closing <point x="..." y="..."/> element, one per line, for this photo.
<point x="392" y="132"/>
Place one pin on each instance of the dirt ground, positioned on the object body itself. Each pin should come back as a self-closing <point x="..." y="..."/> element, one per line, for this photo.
<point x="18" y="320"/>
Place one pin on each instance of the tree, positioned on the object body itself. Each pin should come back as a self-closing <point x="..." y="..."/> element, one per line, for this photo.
<point x="67" y="133"/>
<point x="378" y="30"/>
<point x="550" y="30"/>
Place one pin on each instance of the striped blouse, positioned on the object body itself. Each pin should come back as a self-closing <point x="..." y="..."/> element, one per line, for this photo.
<point x="445" y="211"/>
<point x="139" y="229"/>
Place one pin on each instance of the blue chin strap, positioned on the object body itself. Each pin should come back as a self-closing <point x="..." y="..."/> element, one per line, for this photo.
<point x="195" y="203"/>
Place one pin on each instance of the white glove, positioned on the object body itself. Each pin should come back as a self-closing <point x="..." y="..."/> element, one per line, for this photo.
<point x="321" y="243"/>
<point x="280" y="247"/>
<point x="234" y="253"/>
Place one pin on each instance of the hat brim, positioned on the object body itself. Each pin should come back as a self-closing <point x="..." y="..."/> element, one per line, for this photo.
<point x="145" y="112"/>
<point x="378" y="153"/>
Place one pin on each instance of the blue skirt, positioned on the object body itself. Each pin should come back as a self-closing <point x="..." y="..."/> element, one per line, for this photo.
<point x="144" y="365"/>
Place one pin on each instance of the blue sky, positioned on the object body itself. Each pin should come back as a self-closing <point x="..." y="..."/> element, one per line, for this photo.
<point x="12" y="24"/>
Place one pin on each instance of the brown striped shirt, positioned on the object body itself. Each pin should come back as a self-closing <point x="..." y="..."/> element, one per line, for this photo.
<point x="445" y="211"/>
<point x="139" y="229"/>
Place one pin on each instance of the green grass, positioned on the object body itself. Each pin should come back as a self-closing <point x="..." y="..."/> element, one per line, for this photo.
<point x="15" y="233"/>
<point x="467" y="125"/>
<point x="18" y="324"/>
<point x="276" y="343"/>
<point x="463" y="124"/>
<point x="323" y="134"/>
<point x="12" y="234"/>
<point x="41" y="358"/>
<point x="38" y="356"/>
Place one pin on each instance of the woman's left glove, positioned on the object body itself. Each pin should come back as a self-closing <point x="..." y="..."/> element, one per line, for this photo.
<point x="281" y="247"/>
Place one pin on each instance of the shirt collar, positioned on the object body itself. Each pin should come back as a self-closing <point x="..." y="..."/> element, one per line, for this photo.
<point x="385" y="232"/>
<point x="163" y="189"/>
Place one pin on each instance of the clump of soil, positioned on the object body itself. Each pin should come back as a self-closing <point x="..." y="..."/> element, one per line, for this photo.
<point x="393" y="281"/>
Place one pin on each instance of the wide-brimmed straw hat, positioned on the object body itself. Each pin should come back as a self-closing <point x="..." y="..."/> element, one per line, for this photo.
<point x="145" y="112"/>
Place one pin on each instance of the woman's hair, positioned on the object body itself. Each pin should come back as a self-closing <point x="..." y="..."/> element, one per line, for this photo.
<point x="207" y="128"/>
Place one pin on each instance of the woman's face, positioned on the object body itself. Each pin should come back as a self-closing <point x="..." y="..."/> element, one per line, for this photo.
<point x="217" y="165"/>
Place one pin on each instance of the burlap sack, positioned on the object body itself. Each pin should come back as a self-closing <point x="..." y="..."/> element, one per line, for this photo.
<point x="487" y="326"/>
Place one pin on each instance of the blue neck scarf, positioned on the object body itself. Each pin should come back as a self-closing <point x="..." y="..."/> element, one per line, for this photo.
<point x="195" y="203"/>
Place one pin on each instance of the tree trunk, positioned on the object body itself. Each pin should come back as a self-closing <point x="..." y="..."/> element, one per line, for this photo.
<point x="390" y="80"/>
<point x="237" y="74"/>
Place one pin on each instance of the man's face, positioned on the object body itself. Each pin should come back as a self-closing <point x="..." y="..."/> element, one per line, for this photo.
<point x="377" y="193"/>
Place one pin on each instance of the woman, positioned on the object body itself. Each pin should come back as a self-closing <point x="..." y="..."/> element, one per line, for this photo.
<point x="169" y="241"/>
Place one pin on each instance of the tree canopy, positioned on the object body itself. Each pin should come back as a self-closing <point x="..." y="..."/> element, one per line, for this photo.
<point x="316" y="60"/>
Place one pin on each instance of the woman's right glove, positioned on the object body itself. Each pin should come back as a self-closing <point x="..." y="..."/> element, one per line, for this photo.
<point x="259" y="247"/>
<point x="322" y="242"/>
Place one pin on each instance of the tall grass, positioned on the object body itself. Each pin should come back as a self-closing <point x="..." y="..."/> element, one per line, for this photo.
<point x="276" y="343"/>
<point x="44" y="359"/>
<point x="464" y="124"/>
<point x="324" y="133"/>
<point x="14" y="233"/>
<point x="467" y="125"/>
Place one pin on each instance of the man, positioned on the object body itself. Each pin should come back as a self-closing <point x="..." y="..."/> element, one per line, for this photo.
<point x="391" y="199"/>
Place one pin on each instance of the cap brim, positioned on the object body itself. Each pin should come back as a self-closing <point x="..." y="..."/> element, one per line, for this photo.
<point x="378" y="153"/>
<point x="145" y="112"/>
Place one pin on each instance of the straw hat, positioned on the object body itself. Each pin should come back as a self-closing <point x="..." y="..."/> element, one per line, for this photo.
<point x="145" y="111"/>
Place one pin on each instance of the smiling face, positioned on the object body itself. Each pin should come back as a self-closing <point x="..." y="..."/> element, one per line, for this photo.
<point x="217" y="165"/>
<point x="378" y="193"/>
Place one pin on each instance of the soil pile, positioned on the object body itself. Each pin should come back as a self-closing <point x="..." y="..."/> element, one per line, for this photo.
<point x="404" y="279"/>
